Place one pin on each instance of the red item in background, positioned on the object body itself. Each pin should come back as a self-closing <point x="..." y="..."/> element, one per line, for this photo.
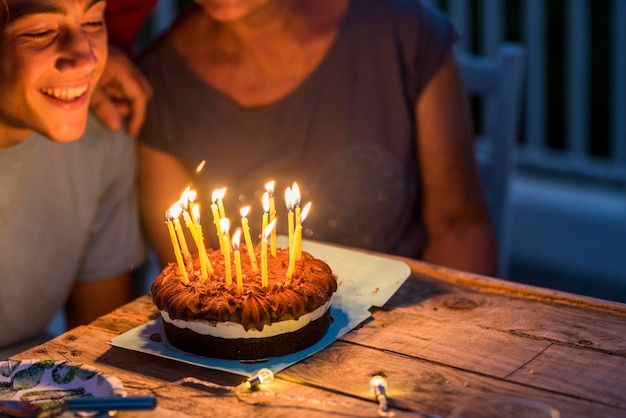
<point x="124" y="18"/>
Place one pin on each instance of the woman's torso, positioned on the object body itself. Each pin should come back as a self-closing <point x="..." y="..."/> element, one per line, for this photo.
<point x="345" y="133"/>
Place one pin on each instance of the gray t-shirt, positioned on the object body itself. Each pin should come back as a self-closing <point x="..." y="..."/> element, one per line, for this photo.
<point x="347" y="134"/>
<point x="68" y="211"/>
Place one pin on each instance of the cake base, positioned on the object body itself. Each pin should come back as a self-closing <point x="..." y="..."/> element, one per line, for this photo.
<point x="248" y="348"/>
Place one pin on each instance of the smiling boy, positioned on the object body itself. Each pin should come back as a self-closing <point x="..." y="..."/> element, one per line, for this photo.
<point x="68" y="212"/>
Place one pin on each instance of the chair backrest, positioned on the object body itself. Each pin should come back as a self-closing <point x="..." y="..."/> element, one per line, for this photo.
<point x="494" y="86"/>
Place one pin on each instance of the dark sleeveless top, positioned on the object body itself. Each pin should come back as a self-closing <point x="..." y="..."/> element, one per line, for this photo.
<point x="347" y="134"/>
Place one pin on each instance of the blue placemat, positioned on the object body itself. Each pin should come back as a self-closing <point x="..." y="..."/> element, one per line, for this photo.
<point x="364" y="281"/>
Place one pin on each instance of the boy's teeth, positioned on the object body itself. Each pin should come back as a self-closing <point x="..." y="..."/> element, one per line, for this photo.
<point x="66" y="93"/>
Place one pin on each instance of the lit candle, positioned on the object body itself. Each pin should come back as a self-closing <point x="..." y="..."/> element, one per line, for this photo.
<point x="298" y="240"/>
<point x="190" y="225"/>
<point x="225" y="226"/>
<point x="295" y="195"/>
<point x="290" y="221"/>
<point x="296" y="250"/>
<point x="266" y="233"/>
<point x="238" y="274"/>
<point x="246" y="233"/>
<point x="184" y="203"/>
<point x="191" y="197"/>
<point x="175" y="211"/>
<point x="265" y="200"/>
<point x="220" y="202"/>
<point x="269" y="187"/>
<point x="205" y="263"/>
<point x="177" y="254"/>
<point x="216" y="216"/>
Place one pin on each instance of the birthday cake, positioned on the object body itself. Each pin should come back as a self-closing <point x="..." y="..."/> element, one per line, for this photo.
<point x="243" y="319"/>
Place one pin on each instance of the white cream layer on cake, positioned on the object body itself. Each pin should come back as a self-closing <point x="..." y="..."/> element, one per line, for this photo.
<point x="232" y="330"/>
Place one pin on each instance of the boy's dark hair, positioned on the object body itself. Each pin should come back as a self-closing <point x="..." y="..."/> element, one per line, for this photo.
<point x="4" y="13"/>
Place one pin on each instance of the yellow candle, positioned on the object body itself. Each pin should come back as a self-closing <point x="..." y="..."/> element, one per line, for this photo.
<point x="177" y="254"/>
<point x="191" y="196"/>
<point x="297" y="237"/>
<point x="246" y="233"/>
<point x="265" y="200"/>
<point x="225" y="226"/>
<point x="216" y="217"/>
<point x="190" y="225"/>
<point x="264" y="261"/>
<point x="175" y="211"/>
<point x="295" y="195"/>
<point x="290" y="219"/>
<point x="269" y="187"/>
<point x="293" y="251"/>
<point x="197" y="240"/>
<point x="220" y="203"/>
<point x="238" y="273"/>
<point x="181" y="237"/>
<point x="266" y="233"/>
<point x="205" y="263"/>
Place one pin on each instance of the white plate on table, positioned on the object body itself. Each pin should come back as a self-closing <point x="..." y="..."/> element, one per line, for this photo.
<point x="48" y="382"/>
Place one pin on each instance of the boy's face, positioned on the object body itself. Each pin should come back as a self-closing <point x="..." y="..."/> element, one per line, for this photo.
<point x="52" y="54"/>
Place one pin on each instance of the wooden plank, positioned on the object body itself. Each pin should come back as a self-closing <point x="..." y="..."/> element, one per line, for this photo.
<point x="493" y="334"/>
<point x="446" y="328"/>
<point x="129" y="316"/>
<point x="419" y="385"/>
<point x="583" y="373"/>
<point x="425" y="271"/>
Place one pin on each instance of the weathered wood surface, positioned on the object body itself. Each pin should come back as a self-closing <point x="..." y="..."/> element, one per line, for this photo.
<point x="445" y="340"/>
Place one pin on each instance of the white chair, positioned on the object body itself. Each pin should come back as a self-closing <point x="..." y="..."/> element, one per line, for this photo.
<point x="494" y="86"/>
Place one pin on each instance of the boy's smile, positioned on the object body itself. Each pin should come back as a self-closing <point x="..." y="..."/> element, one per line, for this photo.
<point x="65" y="94"/>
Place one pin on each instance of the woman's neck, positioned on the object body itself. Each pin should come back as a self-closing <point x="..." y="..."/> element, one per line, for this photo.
<point x="263" y="57"/>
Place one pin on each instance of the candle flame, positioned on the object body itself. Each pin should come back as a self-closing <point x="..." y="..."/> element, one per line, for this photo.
<point x="305" y="212"/>
<point x="295" y="194"/>
<point x="289" y="199"/>
<point x="195" y="212"/>
<point x="185" y="194"/>
<point x="192" y="195"/>
<point x="268" y="229"/>
<point x="224" y="225"/>
<point x="266" y="202"/>
<point x="218" y="194"/>
<point x="236" y="239"/>
<point x="269" y="186"/>
<point x="200" y="166"/>
<point x="175" y="210"/>
<point x="244" y="211"/>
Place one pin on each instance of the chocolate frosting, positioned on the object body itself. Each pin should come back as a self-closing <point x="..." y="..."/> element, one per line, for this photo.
<point x="312" y="285"/>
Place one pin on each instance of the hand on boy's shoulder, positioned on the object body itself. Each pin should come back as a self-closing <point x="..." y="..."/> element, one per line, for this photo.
<point x="123" y="93"/>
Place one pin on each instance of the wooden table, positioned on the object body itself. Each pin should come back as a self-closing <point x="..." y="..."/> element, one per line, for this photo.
<point x="445" y="340"/>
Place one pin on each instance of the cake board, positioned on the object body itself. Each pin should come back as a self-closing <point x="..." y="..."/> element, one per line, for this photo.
<point x="364" y="280"/>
